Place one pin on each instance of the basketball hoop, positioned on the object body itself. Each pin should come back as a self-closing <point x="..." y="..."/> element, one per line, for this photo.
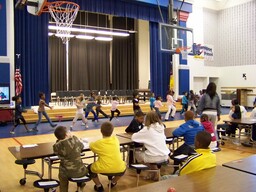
<point x="183" y="51"/>
<point x="64" y="13"/>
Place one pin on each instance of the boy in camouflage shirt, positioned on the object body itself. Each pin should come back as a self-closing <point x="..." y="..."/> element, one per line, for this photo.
<point x="68" y="148"/>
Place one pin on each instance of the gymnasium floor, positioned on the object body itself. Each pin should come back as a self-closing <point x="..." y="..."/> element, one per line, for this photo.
<point x="12" y="173"/>
<point x="45" y="128"/>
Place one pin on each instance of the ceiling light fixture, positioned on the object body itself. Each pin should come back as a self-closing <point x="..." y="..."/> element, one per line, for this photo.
<point x="84" y="37"/>
<point x="86" y="30"/>
<point x="64" y="35"/>
<point x="103" y="38"/>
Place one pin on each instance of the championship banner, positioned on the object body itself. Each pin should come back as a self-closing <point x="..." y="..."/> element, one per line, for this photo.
<point x="203" y="52"/>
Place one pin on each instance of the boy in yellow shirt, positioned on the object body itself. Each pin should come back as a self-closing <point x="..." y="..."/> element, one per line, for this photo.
<point x="109" y="157"/>
<point x="204" y="158"/>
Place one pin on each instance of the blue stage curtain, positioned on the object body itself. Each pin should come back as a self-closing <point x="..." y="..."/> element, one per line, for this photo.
<point x="131" y="9"/>
<point x="160" y="64"/>
<point x="31" y="42"/>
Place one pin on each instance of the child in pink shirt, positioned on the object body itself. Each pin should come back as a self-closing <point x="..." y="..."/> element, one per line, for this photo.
<point x="158" y="104"/>
<point x="208" y="126"/>
<point x="114" y="108"/>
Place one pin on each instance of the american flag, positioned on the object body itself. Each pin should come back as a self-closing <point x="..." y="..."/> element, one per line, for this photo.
<point x="18" y="82"/>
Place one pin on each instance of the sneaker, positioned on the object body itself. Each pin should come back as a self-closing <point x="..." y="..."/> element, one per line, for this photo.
<point x="247" y="144"/>
<point x="166" y="119"/>
<point x="54" y="125"/>
<point x="71" y="128"/>
<point x="30" y="130"/>
<point x="86" y="126"/>
<point x="98" y="189"/>
<point x="35" y="129"/>
<point x="12" y="132"/>
<point x="83" y="123"/>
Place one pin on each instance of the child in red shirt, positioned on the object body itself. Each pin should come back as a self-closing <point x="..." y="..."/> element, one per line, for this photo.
<point x="208" y="126"/>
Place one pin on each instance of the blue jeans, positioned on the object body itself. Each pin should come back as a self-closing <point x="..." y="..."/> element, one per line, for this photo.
<point x="40" y="113"/>
<point x="94" y="114"/>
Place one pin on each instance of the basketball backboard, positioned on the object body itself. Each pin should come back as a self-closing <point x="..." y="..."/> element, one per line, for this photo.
<point x="34" y="7"/>
<point x="36" y="10"/>
<point x="173" y="37"/>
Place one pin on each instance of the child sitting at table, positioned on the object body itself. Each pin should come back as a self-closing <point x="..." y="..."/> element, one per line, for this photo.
<point x="68" y="148"/>
<point x="208" y="126"/>
<point x="109" y="157"/>
<point x="188" y="130"/>
<point x="153" y="137"/>
<point x="231" y="131"/>
<point x="204" y="159"/>
<point x="136" y="124"/>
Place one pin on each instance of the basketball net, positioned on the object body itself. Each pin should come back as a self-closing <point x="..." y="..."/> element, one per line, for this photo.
<point x="64" y="13"/>
<point x="183" y="51"/>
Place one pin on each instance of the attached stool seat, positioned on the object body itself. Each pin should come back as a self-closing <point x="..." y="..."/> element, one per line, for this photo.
<point x="50" y="161"/>
<point x="46" y="184"/>
<point x="80" y="181"/>
<point x="110" y="177"/>
<point x="140" y="167"/>
<point x="25" y="163"/>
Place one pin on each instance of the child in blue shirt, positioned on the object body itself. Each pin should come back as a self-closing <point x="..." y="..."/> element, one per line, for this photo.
<point x="188" y="130"/>
<point x="152" y="100"/>
<point x="184" y="102"/>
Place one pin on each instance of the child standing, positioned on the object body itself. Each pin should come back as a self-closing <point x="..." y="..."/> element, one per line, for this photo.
<point x="114" y="109"/>
<point x="98" y="107"/>
<point x="109" y="157"/>
<point x="135" y="102"/>
<point x="158" y="105"/>
<point x="184" y="102"/>
<point x="208" y="126"/>
<point x="79" y="112"/>
<point x="68" y="148"/>
<point x="89" y="108"/>
<point x="18" y="114"/>
<point x="171" y="105"/>
<point x="41" y="111"/>
<point x="152" y="101"/>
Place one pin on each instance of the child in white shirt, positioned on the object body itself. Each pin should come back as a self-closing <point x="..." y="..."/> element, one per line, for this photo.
<point x="114" y="109"/>
<point x="79" y="112"/>
<point x="153" y="137"/>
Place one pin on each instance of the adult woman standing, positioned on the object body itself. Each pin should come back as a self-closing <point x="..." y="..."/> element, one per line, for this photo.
<point x="210" y="104"/>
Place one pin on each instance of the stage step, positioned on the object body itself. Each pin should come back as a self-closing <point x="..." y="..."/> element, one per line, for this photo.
<point x="68" y="113"/>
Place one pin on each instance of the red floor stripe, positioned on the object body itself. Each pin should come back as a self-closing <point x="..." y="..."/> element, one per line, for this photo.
<point x="17" y="141"/>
